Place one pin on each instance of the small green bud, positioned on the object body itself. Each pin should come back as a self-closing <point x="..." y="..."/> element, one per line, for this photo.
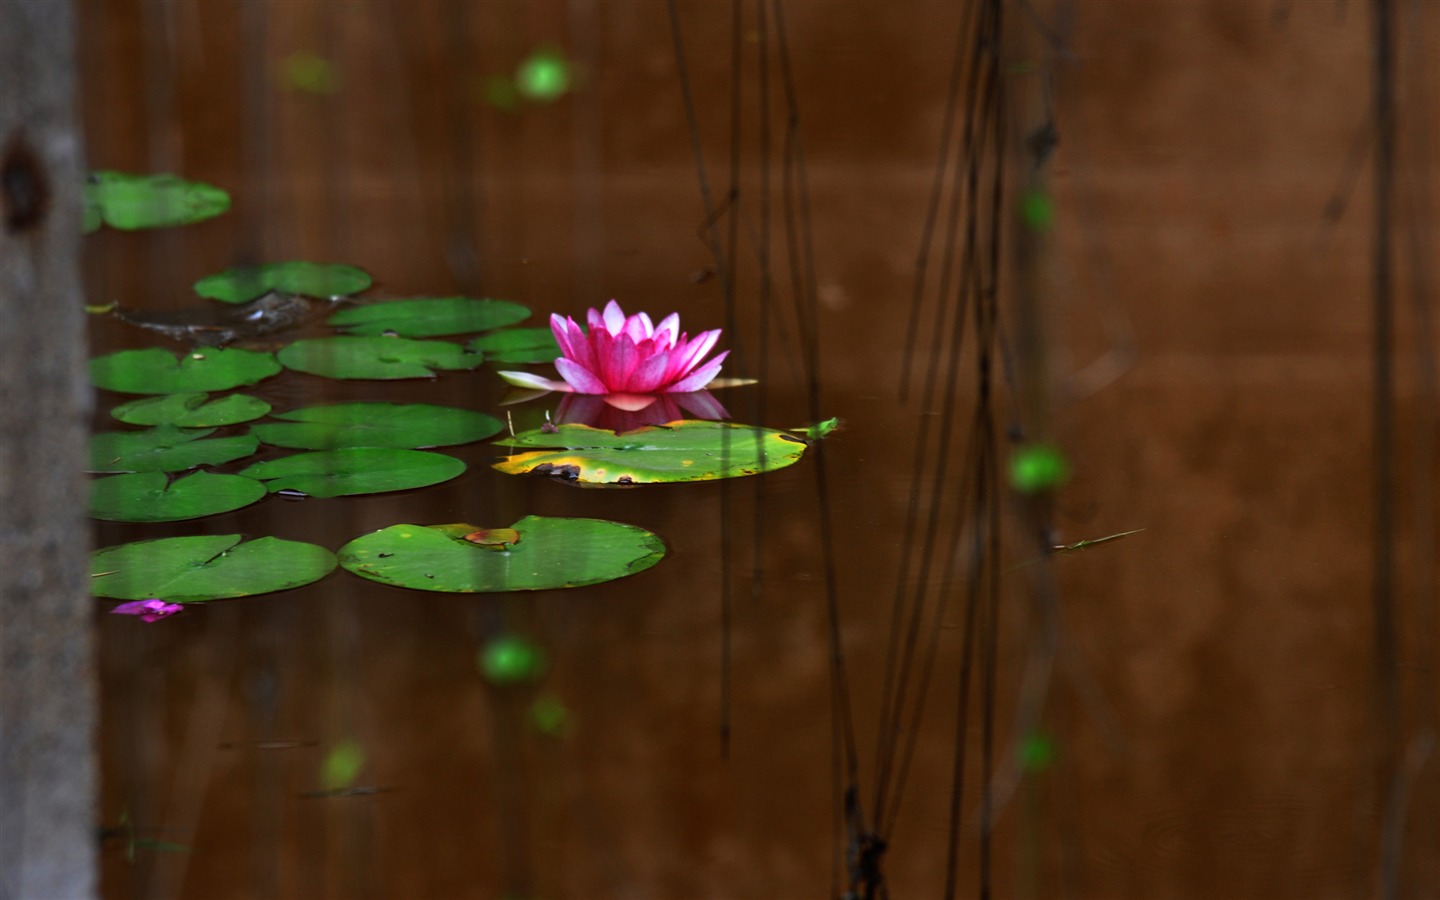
<point x="342" y="765"/>
<point x="1037" y="468"/>
<point x="511" y="660"/>
<point x="543" y="76"/>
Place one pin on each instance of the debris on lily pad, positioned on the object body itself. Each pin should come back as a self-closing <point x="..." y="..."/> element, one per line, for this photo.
<point x="494" y="538"/>
<point x="547" y="553"/>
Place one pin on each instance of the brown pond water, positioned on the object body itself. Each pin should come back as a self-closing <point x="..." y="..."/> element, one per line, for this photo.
<point x="1213" y="703"/>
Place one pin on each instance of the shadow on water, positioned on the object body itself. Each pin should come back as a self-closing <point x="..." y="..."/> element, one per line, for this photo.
<point x="882" y="671"/>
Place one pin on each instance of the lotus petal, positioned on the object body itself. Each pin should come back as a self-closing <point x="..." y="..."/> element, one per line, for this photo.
<point x="689" y="353"/>
<point x="534" y="382"/>
<point x="700" y="377"/>
<point x="614" y="318"/>
<point x="670" y="328"/>
<point x="649" y="376"/>
<point x="580" y="378"/>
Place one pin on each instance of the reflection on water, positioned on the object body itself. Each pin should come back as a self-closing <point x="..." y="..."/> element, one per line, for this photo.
<point x="1210" y="696"/>
<point x="601" y="412"/>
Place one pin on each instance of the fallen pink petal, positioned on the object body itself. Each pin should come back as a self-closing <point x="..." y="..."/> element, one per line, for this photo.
<point x="148" y="610"/>
<point x="630" y="355"/>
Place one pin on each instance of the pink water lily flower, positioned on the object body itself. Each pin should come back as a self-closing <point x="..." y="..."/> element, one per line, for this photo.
<point x="152" y="610"/>
<point x="626" y="355"/>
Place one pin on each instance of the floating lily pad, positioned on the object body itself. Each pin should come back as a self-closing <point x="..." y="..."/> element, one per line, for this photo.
<point x="205" y="567"/>
<point x="191" y="410"/>
<point x="383" y="358"/>
<point x="156" y="371"/>
<point x="429" y="316"/>
<point x="517" y="345"/>
<point x="153" y="497"/>
<point x="361" y="470"/>
<point x="680" y="451"/>
<point x="400" y="425"/>
<point x="165" y="449"/>
<point x="244" y="283"/>
<point x="130" y="202"/>
<point x="550" y="553"/>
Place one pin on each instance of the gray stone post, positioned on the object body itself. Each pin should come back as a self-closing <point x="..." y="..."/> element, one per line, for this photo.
<point x="47" y="690"/>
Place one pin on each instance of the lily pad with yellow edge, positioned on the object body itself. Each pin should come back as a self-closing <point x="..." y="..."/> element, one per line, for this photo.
<point x="679" y="451"/>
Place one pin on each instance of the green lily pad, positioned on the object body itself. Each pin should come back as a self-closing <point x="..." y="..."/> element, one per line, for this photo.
<point x="399" y="425"/>
<point x="429" y="316"/>
<point x="517" y="345"/>
<point x="680" y="451"/>
<point x="244" y="283"/>
<point x="153" y="497"/>
<point x="205" y="567"/>
<point x="358" y="470"/>
<point x="130" y="202"/>
<point x="165" y="449"/>
<point x="550" y="553"/>
<point x="191" y="410"/>
<point x="156" y="371"/>
<point x="383" y="358"/>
